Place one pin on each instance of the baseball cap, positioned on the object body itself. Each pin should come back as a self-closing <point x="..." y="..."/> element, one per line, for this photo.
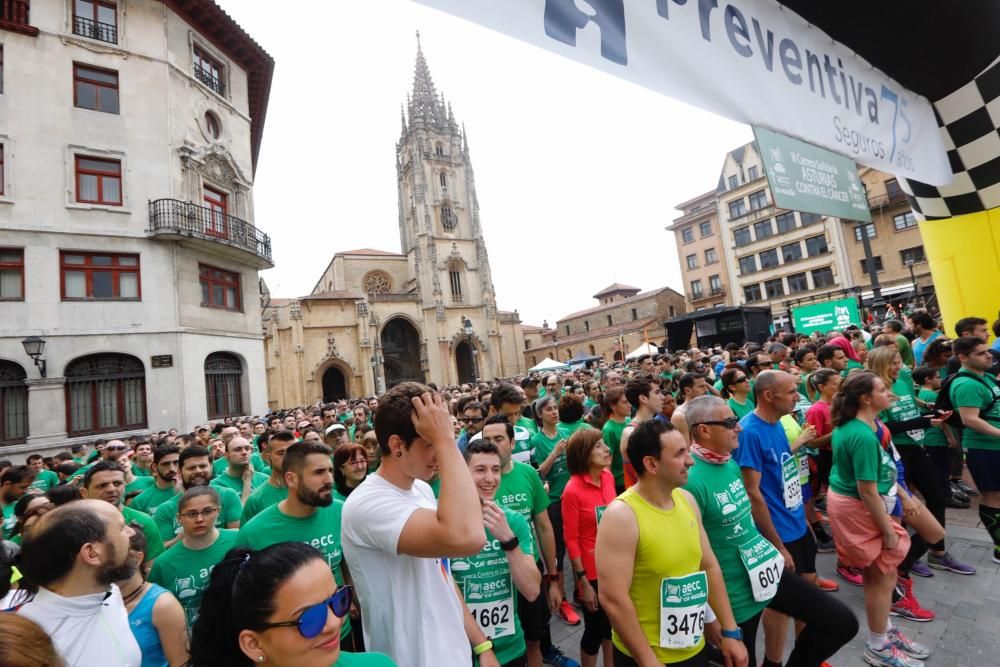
<point x="335" y="427"/>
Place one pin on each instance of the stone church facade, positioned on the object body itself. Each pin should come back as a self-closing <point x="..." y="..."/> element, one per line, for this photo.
<point x="376" y="318"/>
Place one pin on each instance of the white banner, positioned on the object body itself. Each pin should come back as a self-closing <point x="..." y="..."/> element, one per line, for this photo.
<point x="749" y="60"/>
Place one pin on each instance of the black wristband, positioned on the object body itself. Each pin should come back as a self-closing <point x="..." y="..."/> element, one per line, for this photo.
<point x="510" y="544"/>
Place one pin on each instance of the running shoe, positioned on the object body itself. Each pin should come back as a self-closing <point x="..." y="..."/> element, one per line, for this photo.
<point x="890" y="656"/>
<point x="908" y="606"/>
<point x="557" y="658"/>
<point x="827" y="585"/>
<point x="825" y="547"/>
<point x="947" y="562"/>
<point x="955" y="503"/>
<point x="957" y="493"/>
<point x="906" y="645"/>
<point x="851" y="575"/>
<point x="964" y="488"/>
<point x="568" y="614"/>
<point x="921" y="570"/>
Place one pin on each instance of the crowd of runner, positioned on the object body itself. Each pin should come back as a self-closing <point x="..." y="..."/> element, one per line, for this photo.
<point x="679" y="499"/>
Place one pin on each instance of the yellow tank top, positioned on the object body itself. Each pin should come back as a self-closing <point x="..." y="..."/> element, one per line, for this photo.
<point x="669" y="546"/>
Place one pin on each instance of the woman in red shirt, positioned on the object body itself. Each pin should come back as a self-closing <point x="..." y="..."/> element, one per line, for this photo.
<point x="590" y="489"/>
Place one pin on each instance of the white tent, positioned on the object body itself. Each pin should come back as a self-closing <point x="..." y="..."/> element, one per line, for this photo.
<point x="549" y="365"/>
<point x="645" y="348"/>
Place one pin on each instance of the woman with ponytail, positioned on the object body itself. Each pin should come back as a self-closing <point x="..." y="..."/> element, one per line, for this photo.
<point x="736" y="391"/>
<point x="279" y="606"/>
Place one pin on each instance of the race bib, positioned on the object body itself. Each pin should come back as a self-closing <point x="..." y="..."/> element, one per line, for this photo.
<point x="764" y="565"/>
<point x="916" y="435"/>
<point x="495" y="618"/>
<point x="793" y="487"/>
<point x="803" y="460"/>
<point x="682" y="610"/>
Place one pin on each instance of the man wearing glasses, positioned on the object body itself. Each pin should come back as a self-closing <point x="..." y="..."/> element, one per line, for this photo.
<point x="110" y="452"/>
<point x="472" y="420"/>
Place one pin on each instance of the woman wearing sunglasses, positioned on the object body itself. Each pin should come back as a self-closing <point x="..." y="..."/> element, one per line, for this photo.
<point x="736" y="390"/>
<point x="278" y="606"/>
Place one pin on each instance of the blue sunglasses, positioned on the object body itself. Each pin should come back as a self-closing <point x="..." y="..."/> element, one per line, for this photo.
<point x="313" y="619"/>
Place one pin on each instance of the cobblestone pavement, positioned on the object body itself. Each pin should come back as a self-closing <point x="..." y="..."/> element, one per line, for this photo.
<point x="966" y="632"/>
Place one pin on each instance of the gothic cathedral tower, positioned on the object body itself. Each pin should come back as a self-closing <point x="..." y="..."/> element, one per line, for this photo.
<point x="441" y="236"/>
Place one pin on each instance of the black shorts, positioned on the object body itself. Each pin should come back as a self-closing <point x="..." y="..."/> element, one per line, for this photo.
<point x="803" y="550"/>
<point x="555" y="516"/>
<point x="984" y="466"/>
<point x="534" y="615"/>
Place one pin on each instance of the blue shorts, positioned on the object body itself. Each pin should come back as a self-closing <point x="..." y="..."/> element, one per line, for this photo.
<point x="984" y="465"/>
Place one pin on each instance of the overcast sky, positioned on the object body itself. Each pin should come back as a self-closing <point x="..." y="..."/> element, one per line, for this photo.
<point x="577" y="172"/>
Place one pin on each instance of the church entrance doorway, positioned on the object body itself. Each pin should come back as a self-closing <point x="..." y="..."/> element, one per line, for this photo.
<point x="401" y="351"/>
<point x="465" y="362"/>
<point x="334" y="385"/>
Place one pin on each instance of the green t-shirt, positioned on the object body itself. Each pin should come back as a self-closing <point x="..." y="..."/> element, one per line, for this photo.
<point x="79" y="459"/>
<point x="905" y="351"/>
<point x="225" y="480"/>
<point x="741" y="411"/>
<point x="141" y="472"/>
<point x="321" y="530"/>
<point x="185" y="572"/>
<point x="933" y="436"/>
<point x="139" y="484"/>
<point x="526" y="423"/>
<point x="166" y="513"/>
<point x="904" y="408"/>
<point x="851" y="365"/>
<point x="364" y="660"/>
<point x="558" y="474"/>
<point x="8" y="519"/>
<point x="521" y="490"/>
<point x="45" y="480"/>
<point x="262" y="497"/>
<point x="80" y="473"/>
<point x="219" y="465"/>
<point x="435" y="485"/>
<point x="858" y="457"/>
<point x="489" y="591"/>
<point x="726" y="515"/>
<point x="611" y="434"/>
<point x="154" y="543"/>
<point x="149" y="500"/>
<point x="968" y="391"/>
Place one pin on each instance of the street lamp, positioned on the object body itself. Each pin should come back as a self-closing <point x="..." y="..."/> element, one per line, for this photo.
<point x="467" y="326"/>
<point x="374" y="363"/>
<point x="34" y="347"/>
<point x="908" y="262"/>
<point x="469" y="333"/>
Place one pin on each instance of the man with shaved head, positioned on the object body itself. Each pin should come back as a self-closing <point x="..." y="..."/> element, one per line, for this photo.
<point x="239" y="475"/>
<point x="75" y="553"/>
<point x="111" y="451"/>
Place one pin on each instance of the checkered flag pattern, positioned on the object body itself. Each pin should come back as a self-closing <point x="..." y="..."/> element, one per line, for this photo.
<point x="970" y="127"/>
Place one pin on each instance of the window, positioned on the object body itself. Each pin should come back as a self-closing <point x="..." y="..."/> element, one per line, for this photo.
<point x="904" y="221"/>
<point x="752" y="173"/>
<point x="769" y="258"/>
<point x="751" y="293"/>
<point x="692" y="261"/>
<point x="715" y="284"/>
<point x="763" y="229"/>
<point x="95" y="88"/>
<point x="786" y="222"/>
<point x="208" y="70"/>
<point x="98" y="181"/>
<point x="223" y="385"/>
<point x="823" y="277"/>
<point x="907" y="256"/>
<point x="687" y="235"/>
<point x="527" y="344"/>
<point x="734" y="182"/>
<point x="438" y="149"/>
<point x="742" y="236"/>
<point x="737" y="208"/>
<point x="672" y="312"/>
<point x="443" y="178"/>
<point x="696" y="289"/>
<point x="455" y="281"/>
<point x="213" y="125"/>
<point x="816" y="245"/>
<point x="93" y="276"/>
<point x="635" y="314"/>
<point x="748" y="264"/>
<point x="13" y="404"/>
<point x="2" y="179"/>
<point x="96" y="19"/>
<point x="774" y="288"/>
<point x="609" y="320"/>
<point x="892" y="188"/>
<point x="586" y="325"/>
<point x="866" y="228"/>
<point x="705" y="229"/>
<point x="878" y="264"/>
<point x="711" y="256"/>
<point x="567" y="329"/>
<point x="11" y="274"/>
<point x="791" y="252"/>
<point x="809" y="218"/>
<point x="758" y="200"/>
<point x="797" y="282"/>
<point x="105" y="393"/>
<point x="219" y="288"/>
<point x="217" y="203"/>
<point x="448" y="218"/>
<point x="1" y="68"/>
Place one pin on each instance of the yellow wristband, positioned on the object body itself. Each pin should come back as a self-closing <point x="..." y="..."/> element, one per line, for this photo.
<point x="483" y="648"/>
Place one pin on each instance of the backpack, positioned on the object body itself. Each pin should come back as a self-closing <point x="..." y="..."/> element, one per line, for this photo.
<point x="944" y="404"/>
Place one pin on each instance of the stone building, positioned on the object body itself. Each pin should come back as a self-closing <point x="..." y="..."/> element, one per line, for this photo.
<point x="129" y="135"/>
<point x="700" y="252"/>
<point x="428" y="313"/>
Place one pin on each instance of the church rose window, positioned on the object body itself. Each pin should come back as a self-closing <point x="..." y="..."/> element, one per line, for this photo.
<point x="377" y="283"/>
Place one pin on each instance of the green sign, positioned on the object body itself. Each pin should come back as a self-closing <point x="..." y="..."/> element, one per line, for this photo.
<point x="806" y="178"/>
<point x="826" y="316"/>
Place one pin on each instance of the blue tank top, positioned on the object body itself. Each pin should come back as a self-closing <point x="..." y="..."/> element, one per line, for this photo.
<point x="140" y="620"/>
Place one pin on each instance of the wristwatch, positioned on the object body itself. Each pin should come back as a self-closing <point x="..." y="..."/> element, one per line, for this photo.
<point x="736" y="634"/>
<point x="580" y="575"/>
<point x="510" y="544"/>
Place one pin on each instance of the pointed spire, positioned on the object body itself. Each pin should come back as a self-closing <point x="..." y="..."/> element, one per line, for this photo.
<point x="465" y="141"/>
<point x="423" y="103"/>
<point x="402" y="117"/>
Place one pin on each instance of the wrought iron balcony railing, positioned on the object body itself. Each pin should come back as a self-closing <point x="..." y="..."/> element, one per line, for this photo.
<point x="173" y="215"/>
<point x="104" y="32"/>
<point x="209" y="79"/>
<point x="15" y="16"/>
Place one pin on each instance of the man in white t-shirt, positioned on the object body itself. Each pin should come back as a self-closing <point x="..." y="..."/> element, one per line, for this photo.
<point x="397" y="539"/>
<point x="74" y="553"/>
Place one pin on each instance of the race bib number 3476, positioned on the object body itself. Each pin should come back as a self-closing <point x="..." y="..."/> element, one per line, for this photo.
<point x="682" y="610"/>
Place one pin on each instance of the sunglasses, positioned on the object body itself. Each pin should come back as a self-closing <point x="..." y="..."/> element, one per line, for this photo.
<point x="728" y="422"/>
<point x="471" y="420"/>
<point x="313" y="619"/>
<point x="740" y="379"/>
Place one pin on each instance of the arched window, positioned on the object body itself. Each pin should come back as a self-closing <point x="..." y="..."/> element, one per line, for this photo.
<point x="448" y="218"/>
<point x="13" y="404"/>
<point x="593" y="350"/>
<point x="439" y="148"/>
<point x="377" y="282"/>
<point x="105" y="393"/>
<point x="443" y="177"/>
<point x="224" y="385"/>
<point x="455" y="282"/>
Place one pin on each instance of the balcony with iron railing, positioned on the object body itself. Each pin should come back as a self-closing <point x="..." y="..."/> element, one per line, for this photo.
<point x="173" y="219"/>
<point x="213" y="81"/>
<point x="712" y="293"/>
<point x="15" y="16"/>
<point x="888" y="199"/>
<point x="104" y="32"/>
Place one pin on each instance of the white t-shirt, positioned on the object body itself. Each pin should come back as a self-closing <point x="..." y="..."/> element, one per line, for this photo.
<point x="88" y="629"/>
<point x="409" y="605"/>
